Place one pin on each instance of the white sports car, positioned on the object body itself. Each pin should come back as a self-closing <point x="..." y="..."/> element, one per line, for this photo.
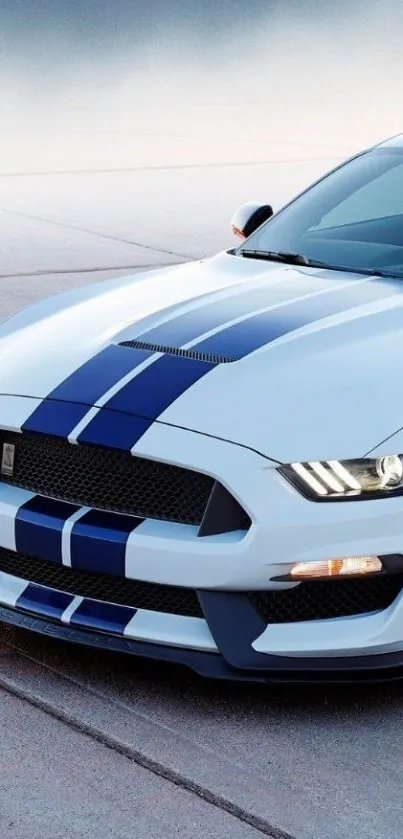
<point x="203" y="464"/>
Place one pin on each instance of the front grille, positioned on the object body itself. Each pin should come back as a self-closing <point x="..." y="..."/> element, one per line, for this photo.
<point x="108" y="479"/>
<point x="318" y="600"/>
<point x="157" y="598"/>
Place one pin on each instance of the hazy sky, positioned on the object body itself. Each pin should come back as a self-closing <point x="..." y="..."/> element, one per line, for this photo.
<point x="279" y="69"/>
<point x="96" y="25"/>
<point x="19" y="14"/>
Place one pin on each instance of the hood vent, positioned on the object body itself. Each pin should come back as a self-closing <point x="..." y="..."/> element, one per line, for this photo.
<point x="198" y="356"/>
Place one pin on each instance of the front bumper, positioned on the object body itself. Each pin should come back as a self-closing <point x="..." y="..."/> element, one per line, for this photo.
<point x="230" y="640"/>
<point x="277" y="670"/>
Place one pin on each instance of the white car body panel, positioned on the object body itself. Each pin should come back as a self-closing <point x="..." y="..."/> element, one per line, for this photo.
<point x="290" y="364"/>
<point x="310" y="367"/>
<point x="167" y="553"/>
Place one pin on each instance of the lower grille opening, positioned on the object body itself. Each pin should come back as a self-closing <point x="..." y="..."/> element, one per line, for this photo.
<point x="157" y="598"/>
<point x="319" y="600"/>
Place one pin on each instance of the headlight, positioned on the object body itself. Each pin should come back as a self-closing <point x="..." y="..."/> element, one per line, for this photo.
<point x="331" y="480"/>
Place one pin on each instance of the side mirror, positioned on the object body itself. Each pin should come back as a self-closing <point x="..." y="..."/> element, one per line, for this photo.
<point x="249" y="217"/>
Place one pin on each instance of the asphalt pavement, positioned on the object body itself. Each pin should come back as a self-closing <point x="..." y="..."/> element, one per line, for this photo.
<point x="95" y="745"/>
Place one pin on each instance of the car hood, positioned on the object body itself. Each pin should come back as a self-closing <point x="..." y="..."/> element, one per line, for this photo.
<point x="295" y="363"/>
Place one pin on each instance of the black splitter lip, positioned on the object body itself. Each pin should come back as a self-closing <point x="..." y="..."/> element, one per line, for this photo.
<point x="278" y="670"/>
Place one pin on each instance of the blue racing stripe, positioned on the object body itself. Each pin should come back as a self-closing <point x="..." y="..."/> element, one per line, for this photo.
<point x="57" y="418"/>
<point x="147" y="395"/>
<point x="114" y="431"/>
<point x="98" y="541"/>
<point x="67" y="404"/>
<point x="108" y="617"/>
<point x="45" y="601"/>
<point x="151" y="392"/>
<point x="186" y="327"/>
<point x="84" y="387"/>
<point x="96" y="376"/>
<point x="154" y="389"/>
<point x="38" y="527"/>
<point x="251" y="334"/>
<point x="93" y="379"/>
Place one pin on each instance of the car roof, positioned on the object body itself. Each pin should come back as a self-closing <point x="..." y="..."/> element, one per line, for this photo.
<point x="393" y="142"/>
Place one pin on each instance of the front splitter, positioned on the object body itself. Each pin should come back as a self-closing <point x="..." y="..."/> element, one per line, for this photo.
<point x="280" y="670"/>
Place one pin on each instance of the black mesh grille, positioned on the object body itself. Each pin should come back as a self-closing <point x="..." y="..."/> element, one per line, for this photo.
<point x="105" y="587"/>
<point x="327" y="599"/>
<point x="108" y="479"/>
<point x="199" y="356"/>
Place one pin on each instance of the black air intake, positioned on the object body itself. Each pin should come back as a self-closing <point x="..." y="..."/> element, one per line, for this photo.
<point x="197" y="356"/>
<point x="108" y="588"/>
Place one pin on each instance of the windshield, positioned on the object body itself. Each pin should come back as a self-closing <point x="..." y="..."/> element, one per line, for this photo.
<point x="352" y="218"/>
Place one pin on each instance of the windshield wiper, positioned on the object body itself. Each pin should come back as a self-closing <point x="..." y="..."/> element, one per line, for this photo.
<point x="380" y="272"/>
<point x="291" y="258"/>
<point x="279" y="256"/>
